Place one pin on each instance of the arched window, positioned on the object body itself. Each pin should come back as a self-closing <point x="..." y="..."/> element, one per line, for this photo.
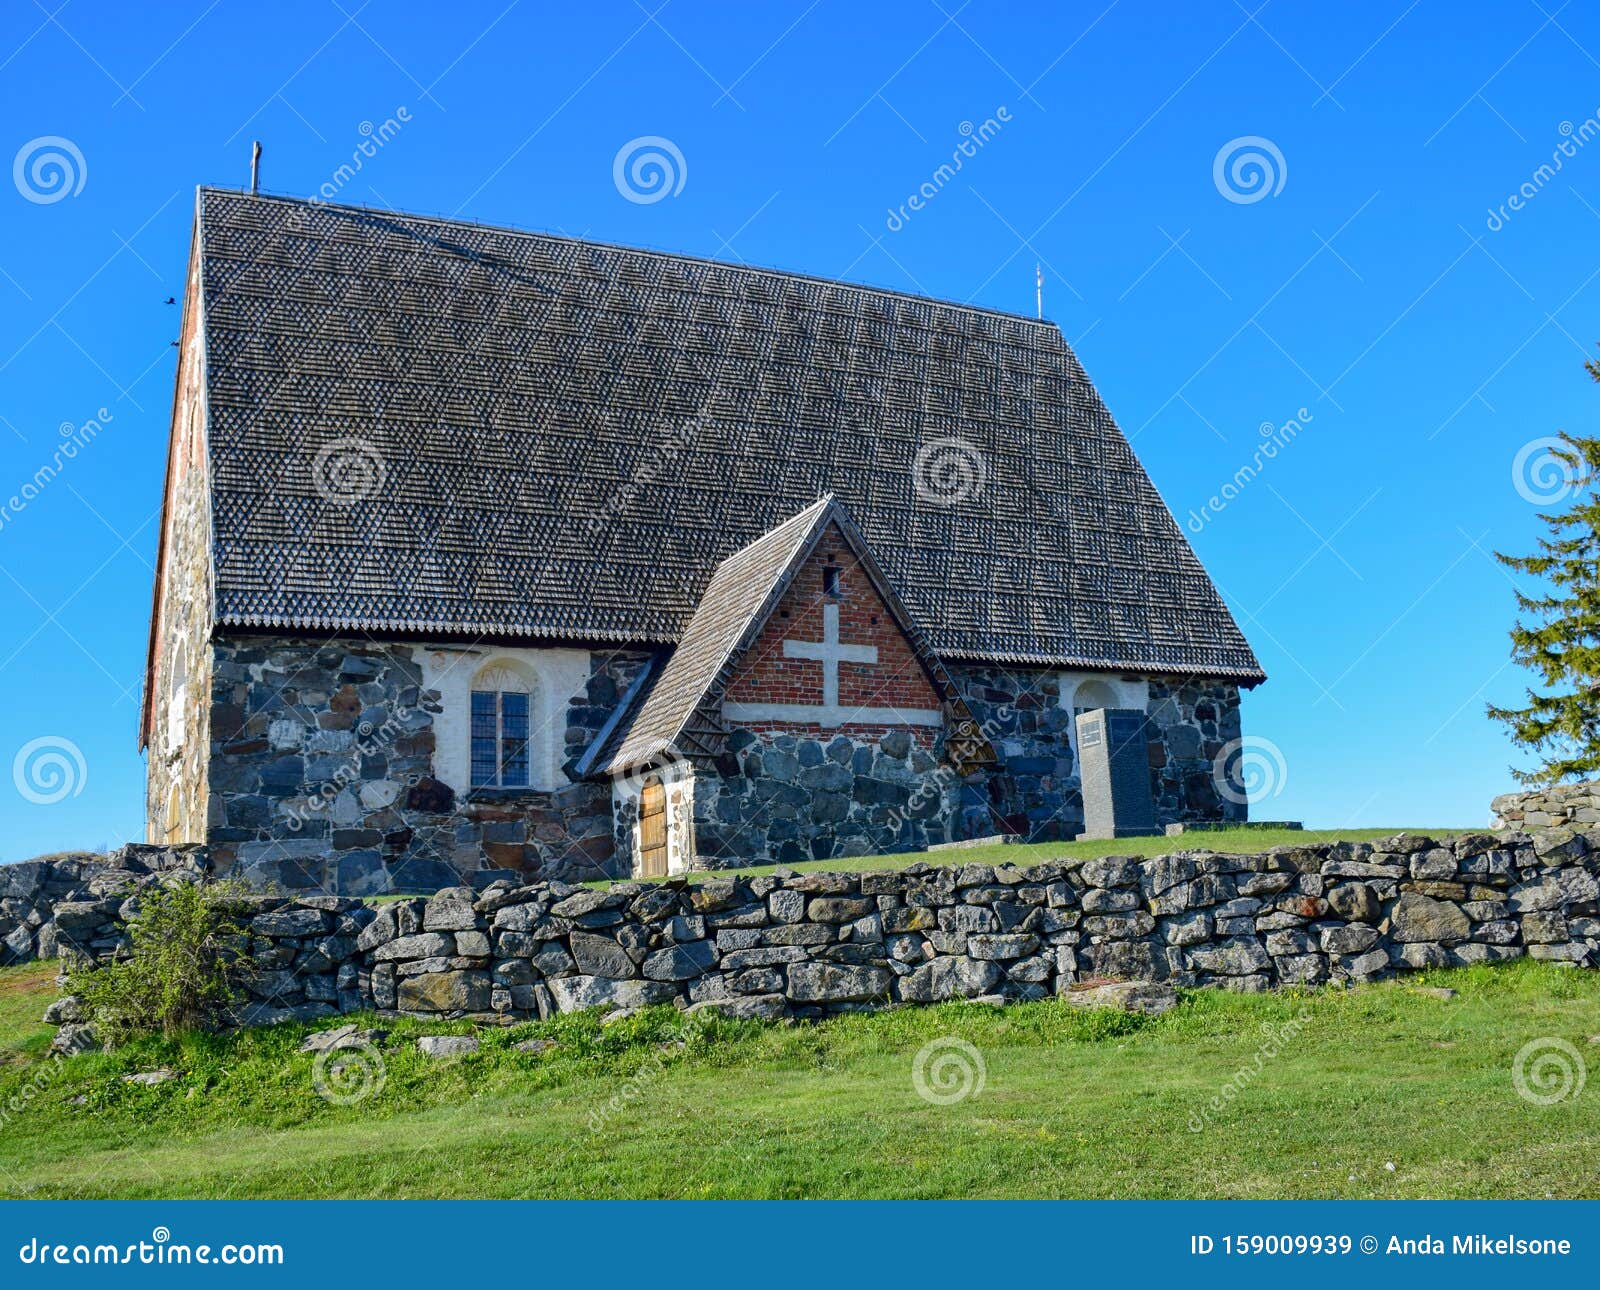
<point x="177" y="697"/>
<point x="502" y="698"/>
<point x="1093" y="694"/>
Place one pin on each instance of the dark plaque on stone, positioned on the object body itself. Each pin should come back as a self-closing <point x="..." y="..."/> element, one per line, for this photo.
<point x="1114" y="770"/>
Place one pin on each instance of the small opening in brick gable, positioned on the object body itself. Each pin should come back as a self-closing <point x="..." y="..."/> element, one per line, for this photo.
<point x="830" y="580"/>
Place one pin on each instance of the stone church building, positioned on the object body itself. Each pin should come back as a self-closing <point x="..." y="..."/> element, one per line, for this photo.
<point x="488" y="552"/>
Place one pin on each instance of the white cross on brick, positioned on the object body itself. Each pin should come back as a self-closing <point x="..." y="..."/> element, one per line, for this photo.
<point x="830" y="652"/>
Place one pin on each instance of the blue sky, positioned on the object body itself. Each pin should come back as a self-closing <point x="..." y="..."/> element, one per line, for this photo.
<point x="1374" y="283"/>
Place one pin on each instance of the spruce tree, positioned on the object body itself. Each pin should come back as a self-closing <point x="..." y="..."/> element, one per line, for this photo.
<point x="1557" y="634"/>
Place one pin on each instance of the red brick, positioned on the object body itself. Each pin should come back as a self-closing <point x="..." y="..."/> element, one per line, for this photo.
<point x="896" y="680"/>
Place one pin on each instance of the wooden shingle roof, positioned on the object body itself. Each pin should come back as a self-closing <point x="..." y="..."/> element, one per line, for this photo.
<point x="423" y="426"/>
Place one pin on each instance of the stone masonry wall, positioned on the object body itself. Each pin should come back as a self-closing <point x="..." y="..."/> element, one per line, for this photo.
<point x="795" y="797"/>
<point x="814" y="795"/>
<point x="1036" y="792"/>
<point x="1197" y="720"/>
<point x="791" y="944"/>
<point x="178" y="696"/>
<point x="323" y="776"/>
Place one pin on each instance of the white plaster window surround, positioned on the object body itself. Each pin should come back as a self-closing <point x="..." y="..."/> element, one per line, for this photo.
<point x="1084" y="691"/>
<point x="553" y="676"/>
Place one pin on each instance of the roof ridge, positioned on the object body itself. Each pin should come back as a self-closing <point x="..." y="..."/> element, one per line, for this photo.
<point x="765" y="270"/>
<point x="780" y="530"/>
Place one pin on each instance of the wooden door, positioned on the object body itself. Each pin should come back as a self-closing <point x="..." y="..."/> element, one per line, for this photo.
<point x="653" y="830"/>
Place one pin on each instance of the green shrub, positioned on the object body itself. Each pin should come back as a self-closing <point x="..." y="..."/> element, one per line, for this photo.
<point x="182" y="971"/>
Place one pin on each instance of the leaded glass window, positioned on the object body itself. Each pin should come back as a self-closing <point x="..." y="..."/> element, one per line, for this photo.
<point x="500" y="715"/>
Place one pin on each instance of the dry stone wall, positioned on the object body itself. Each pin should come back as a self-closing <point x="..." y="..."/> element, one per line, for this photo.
<point x="1561" y="807"/>
<point x="793" y="944"/>
<point x="66" y="901"/>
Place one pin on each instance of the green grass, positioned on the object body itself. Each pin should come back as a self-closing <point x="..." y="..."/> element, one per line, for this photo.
<point x="1075" y="1104"/>
<point x="24" y="994"/>
<point x="1232" y="841"/>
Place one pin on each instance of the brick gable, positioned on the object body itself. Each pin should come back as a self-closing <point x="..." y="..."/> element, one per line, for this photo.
<point x="896" y="680"/>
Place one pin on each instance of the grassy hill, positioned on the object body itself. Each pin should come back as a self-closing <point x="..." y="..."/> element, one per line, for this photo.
<point x="1073" y="1104"/>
